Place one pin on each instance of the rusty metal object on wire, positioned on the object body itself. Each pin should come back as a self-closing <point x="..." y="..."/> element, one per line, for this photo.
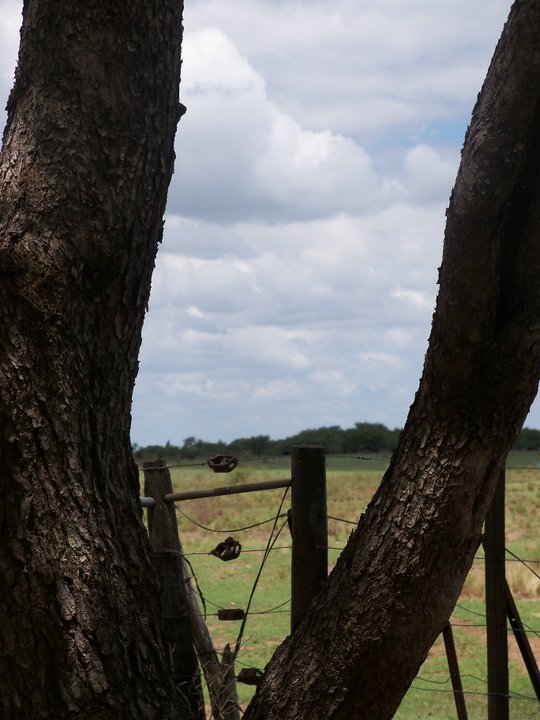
<point x="229" y="549"/>
<point x="222" y="463"/>
<point x="231" y="614"/>
<point x="250" y="676"/>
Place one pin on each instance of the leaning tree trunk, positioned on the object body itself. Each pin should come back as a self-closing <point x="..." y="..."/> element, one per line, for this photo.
<point x="395" y="585"/>
<point x="84" y="172"/>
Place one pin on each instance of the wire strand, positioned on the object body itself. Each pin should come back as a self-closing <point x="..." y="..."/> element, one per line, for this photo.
<point x="271" y="542"/>
<point x="523" y="562"/>
<point x="229" y="531"/>
<point x="349" y="522"/>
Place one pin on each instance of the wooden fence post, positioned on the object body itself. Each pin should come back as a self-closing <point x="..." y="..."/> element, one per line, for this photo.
<point x="165" y="542"/>
<point x="523" y="641"/>
<point x="309" y="528"/>
<point x="497" y="636"/>
<point x="455" y="677"/>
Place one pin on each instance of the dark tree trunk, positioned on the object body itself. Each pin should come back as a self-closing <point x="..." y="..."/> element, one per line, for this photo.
<point x="394" y="587"/>
<point x="84" y="172"/>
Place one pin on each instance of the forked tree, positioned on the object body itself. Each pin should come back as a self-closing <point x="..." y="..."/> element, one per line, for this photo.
<point x="84" y="171"/>
<point x="86" y="161"/>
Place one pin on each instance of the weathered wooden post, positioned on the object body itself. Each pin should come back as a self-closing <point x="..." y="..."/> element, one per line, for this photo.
<point x="523" y="642"/>
<point x="455" y="675"/>
<point x="497" y="639"/>
<point x="165" y="542"/>
<point x="309" y="528"/>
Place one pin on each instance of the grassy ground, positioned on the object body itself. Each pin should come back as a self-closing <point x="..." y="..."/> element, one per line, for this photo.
<point x="351" y="483"/>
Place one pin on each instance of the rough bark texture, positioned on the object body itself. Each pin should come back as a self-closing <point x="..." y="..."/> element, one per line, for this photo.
<point x="84" y="171"/>
<point x="394" y="587"/>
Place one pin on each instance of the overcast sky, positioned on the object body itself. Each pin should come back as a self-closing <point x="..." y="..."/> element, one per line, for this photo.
<point x="297" y="278"/>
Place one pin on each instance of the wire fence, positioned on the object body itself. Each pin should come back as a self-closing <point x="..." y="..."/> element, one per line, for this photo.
<point x="212" y="608"/>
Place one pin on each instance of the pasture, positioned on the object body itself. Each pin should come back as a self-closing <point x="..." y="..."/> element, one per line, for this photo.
<point x="250" y="518"/>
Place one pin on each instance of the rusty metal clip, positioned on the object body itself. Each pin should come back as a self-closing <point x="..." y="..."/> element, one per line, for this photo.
<point x="231" y="614"/>
<point x="222" y="463"/>
<point x="229" y="549"/>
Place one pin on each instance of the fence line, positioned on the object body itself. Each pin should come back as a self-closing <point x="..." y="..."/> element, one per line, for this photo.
<point x="308" y="571"/>
<point x="497" y="697"/>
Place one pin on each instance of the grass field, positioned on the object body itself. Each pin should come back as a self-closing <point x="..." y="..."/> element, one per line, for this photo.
<point x="351" y="483"/>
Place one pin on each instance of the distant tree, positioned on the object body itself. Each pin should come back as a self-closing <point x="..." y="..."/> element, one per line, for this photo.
<point x="259" y="444"/>
<point x="191" y="447"/>
<point x="369" y="437"/>
<point x="255" y="445"/>
<point x="528" y="439"/>
<point x="330" y="437"/>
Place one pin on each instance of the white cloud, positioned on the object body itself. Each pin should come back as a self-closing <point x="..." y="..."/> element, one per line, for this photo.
<point x="359" y="66"/>
<point x="215" y="65"/>
<point x="428" y="173"/>
<point x="337" y="382"/>
<point x="280" y="348"/>
<point x="297" y="278"/>
<point x="194" y="312"/>
<point x="277" y="390"/>
<point x="305" y="274"/>
<point x="382" y="358"/>
<point x="199" y="385"/>
<point x="256" y="161"/>
<point x="414" y="298"/>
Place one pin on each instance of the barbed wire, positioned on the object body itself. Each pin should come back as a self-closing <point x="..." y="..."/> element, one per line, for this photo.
<point x="253" y="612"/>
<point x="171" y="466"/>
<point x="197" y="586"/>
<point x="512" y="695"/>
<point x="271" y="542"/>
<point x="449" y="679"/>
<point x="482" y="558"/>
<point x="526" y="627"/>
<point x="281" y="608"/>
<point x="467" y="625"/>
<point x="524" y="562"/>
<point x="229" y="531"/>
<point x="244" y="550"/>
<point x="379" y="458"/>
<point x="472" y="612"/>
<point x="338" y="519"/>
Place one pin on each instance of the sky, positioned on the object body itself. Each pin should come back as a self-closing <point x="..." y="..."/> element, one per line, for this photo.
<point x="296" y="282"/>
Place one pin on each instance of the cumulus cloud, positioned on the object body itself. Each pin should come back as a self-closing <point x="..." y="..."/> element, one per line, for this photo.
<point x="428" y="173"/>
<point x="382" y="358"/>
<point x="388" y="67"/>
<point x="240" y="157"/>
<point x="297" y="278"/>
<point x="306" y="273"/>
<point x="305" y="316"/>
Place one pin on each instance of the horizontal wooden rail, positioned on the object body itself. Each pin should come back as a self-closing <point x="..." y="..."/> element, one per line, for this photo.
<point x="228" y="490"/>
<point x="147" y="502"/>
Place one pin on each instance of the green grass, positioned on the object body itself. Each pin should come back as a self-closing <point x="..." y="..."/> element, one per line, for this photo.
<point x="351" y="483"/>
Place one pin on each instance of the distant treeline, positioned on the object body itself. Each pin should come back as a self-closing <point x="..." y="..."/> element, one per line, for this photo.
<point x="362" y="438"/>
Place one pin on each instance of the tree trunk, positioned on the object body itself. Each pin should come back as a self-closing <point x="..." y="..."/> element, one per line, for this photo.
<point x="84" y="172"/>
<point x="394" y="587"/>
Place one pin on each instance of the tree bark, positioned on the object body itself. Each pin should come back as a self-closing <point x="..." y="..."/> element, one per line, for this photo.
<point x="84" y="172"/>
<point x="394" y="587"/>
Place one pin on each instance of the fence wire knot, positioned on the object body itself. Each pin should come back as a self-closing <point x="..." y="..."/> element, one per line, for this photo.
<point x="229" y="549"/>
<point x="222" y="463"/>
